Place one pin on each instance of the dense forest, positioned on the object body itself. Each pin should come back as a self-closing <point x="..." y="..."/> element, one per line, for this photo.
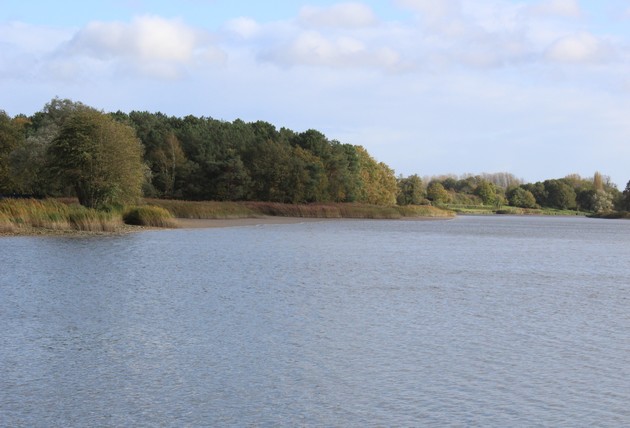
<point x="201" y="158"/>
<point x="70" y="149"/>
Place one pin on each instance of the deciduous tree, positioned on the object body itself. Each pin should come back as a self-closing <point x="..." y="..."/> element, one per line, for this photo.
<point x="410" y="191"/>
<point x="100" y="158"/>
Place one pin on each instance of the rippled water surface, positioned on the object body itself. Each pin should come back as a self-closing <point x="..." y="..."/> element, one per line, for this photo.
<point x="483" y="321"/>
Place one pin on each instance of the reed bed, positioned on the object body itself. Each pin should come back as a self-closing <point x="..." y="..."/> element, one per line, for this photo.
<point x="50" y="214"/>
<point x="231" y="210"/>
<point x="39" y="216"/>
<point x="150" y="216"/>
<point x="6" y="225"/>
<point x="89" y="220"/>
<point x="347" y="210"/>
<point x="204" y="209"/>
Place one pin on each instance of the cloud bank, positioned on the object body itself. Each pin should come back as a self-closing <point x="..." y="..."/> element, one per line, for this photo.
<point x="427" y="86"/>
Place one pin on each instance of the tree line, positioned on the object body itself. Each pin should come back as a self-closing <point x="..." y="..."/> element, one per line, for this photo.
<point x="596" y="194"/>
<point x="71" y="149"/>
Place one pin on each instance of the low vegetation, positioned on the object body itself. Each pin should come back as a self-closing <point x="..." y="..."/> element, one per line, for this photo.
<point x="229" y="210"/>
<point x="19" y="216"/>
<point x="204" y="210"/>
<point x="24" y="214"/>
<point x="150" y="216"/>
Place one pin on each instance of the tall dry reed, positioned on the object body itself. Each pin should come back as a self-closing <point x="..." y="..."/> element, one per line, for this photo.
<point x="17" y="214"/>
<point x="148" y="215"/>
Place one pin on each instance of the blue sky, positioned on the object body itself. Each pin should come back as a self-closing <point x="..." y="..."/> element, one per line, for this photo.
<point x="537" y="88"/>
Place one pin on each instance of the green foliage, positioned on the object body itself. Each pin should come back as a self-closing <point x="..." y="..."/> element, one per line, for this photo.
<point x="11" y="137"/>
<point x="378" y="182"/>
<point x="559" y="195"/>
<point x="437" y="193"/>
<point x="624" y="202"/>
<point x="69" y="148"/>
<point x="519" y="197"/>
<point x="539" y="192"/>
<point x="147" y="215"/>
<point x="100" y="158"/>
<point x="487" y="192"/>
<point x="410" y="191"/>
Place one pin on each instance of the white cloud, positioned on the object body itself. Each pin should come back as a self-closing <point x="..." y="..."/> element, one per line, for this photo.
<point x="151" y="45"/>
<point x="145" y="38"/>
<point x="313" y="48"/>
<point x="342" y="15"/>
<point x="578" y="48"/>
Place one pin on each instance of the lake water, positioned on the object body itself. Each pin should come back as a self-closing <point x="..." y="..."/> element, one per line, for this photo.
<point x="478" y="321"/>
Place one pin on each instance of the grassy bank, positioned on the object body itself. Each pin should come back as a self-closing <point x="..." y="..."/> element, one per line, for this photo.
<point x="24" y="214"/>
<point x="27" y="216"/>
<point x="30" y="216"/>
<point x="232" y="210"/>
<point x="488" y="210"/>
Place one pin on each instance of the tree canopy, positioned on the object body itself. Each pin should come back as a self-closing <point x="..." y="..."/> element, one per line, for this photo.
<point x="99" y="157"/>
<point x="69" y="148"/>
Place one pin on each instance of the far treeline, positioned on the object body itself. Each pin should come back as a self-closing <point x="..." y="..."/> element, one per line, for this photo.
<point x="70" y="149"/>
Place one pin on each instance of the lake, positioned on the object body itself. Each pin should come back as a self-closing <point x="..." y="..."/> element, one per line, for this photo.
<point x="476" y="321"/>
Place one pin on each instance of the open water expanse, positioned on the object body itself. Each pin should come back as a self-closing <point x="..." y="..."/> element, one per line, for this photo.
<point x="478" y="321"/>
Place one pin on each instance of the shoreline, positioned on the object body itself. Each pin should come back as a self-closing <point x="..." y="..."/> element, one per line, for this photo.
<point x="194" y="223"/>
<point x="191" y="224"/>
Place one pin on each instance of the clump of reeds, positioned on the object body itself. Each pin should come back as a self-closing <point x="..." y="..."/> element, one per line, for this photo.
<point x="47" y="214"/>
<point x="17" y="214"/>
<point x="6" y="225"/>
<point x="149" y="215"/>
<point x="423" y="211"/>
<point x="91" y="220"/>
<point x="346" y="210"/>
<point x="204" y="209"/>
<point x="294" y="210"/>
<point x="222" y="210"/>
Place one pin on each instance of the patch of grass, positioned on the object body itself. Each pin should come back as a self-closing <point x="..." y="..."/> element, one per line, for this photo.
<point x="149" y="215"/>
